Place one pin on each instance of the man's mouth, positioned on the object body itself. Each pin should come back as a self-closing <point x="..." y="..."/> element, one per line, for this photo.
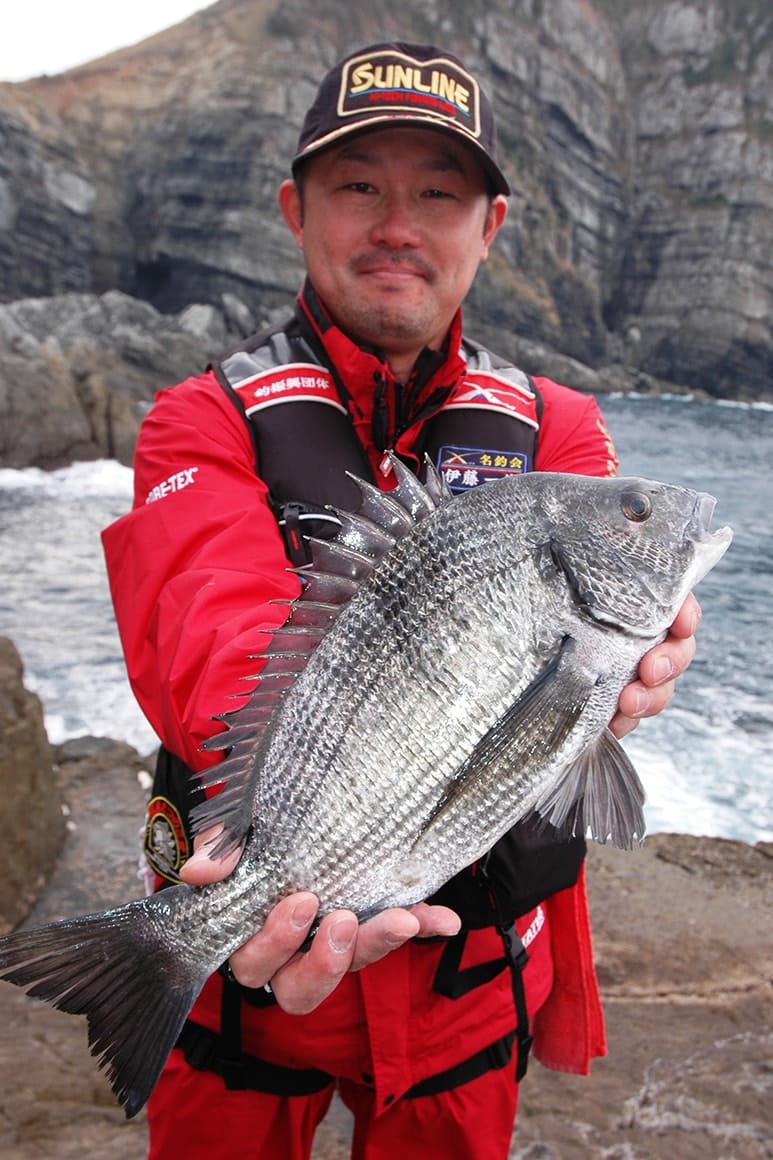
<point x="395" y="268"/>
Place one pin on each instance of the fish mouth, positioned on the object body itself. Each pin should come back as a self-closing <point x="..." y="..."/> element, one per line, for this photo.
<point x="709" y="546"/>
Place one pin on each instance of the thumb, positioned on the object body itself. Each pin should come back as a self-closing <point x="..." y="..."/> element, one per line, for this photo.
<point x="201" y="868"/>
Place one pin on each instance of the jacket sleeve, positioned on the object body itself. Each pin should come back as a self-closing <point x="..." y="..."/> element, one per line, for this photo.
<point x="573" y="436"/>
<point x="195" y="566"/>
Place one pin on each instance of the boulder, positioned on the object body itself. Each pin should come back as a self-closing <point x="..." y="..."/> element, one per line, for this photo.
<point x="33" y="823"/>
<point x="78" y="371"/>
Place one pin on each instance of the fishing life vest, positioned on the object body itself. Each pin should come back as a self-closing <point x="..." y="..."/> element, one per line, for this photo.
<point x="295" y="403"/>
<point x="291" y="396"/>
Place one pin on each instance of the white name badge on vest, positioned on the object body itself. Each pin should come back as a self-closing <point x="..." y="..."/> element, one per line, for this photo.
<point x="466" y="467"/>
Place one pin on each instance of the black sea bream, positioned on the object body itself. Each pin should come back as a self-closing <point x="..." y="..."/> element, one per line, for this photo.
<point x="451" y="667"/>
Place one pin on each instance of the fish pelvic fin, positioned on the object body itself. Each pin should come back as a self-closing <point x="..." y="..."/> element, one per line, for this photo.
<point x="117" y="970"/>
<point x="599" y="793"/>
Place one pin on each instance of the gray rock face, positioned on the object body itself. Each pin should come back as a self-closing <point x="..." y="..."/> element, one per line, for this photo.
<point x="33" y="825"/>
<point x="47" y="200"/>
<point x="637" y="140"/>
<point x="697" y="278"/>
<point x="77" y="370"/>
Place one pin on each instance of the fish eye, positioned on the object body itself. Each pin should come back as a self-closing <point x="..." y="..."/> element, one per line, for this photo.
<point x="636" y="506"/>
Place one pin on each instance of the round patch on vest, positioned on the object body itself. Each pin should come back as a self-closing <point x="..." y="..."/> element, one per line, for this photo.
<point x="166" y="844"/>
<point x="466" y="467"/>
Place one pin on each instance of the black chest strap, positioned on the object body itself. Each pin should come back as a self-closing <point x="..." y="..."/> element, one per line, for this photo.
<point x="452" y="982"/>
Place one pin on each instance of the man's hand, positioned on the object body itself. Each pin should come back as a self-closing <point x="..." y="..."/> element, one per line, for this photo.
<point x="301" y="981"/>
<point x="658" y="670"/>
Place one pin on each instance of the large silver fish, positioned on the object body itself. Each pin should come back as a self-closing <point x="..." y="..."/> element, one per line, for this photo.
<point x="451" y="667"/>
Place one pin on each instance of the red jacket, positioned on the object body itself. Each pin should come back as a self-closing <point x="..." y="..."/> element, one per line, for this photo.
<point x="193" y="570"/>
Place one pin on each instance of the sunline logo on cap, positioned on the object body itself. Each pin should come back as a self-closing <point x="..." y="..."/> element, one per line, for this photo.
<point x="402" y="84"/>
<point x="391" y="82"/>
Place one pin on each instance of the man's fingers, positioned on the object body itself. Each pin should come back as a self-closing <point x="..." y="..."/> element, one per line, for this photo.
<point x="382" y="934"/>
<point x="688" y="618"/>
<point x="436" y="921"/>
<point x="300" y="981"/>
<point x="390" y="929"/>
<point x="279" y="939"/>
<point x="201" y="869"/>
<point x="636" y="701"/>
<point x="658" y="670"/>
<point x="666" y="661"/>
<point x="303" y="982"/>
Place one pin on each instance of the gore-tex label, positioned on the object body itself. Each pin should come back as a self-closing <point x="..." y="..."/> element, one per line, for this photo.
<point x="173" y="483"/>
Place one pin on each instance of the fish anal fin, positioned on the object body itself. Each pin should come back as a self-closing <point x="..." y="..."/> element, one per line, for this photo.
<point x="599" y="793"/>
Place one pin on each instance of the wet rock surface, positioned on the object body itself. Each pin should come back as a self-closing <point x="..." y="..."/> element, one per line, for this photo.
<point x="33" y="826"/>
<point x="78" y="371"/>
<point x="54" y="1103"/>
<point x="684" y="949"/>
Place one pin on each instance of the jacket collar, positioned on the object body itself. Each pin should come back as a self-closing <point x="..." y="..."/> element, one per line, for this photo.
<point x="385" y="413"/>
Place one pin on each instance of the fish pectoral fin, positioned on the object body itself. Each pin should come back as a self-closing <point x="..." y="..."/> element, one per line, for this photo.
<point x="528" y="733"/>
<point x="599" y="792"/>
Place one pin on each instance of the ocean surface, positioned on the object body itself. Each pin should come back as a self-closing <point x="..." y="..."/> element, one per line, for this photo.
<point x="707" y="763"/>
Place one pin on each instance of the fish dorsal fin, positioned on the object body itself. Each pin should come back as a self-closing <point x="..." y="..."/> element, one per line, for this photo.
<point x="338" y="567"/>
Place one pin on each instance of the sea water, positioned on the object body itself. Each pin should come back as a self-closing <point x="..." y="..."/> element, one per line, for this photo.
<point x="707" y="763"/>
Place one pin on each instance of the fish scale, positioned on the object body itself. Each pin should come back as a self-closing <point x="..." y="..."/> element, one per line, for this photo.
<point x="449" y="669"/>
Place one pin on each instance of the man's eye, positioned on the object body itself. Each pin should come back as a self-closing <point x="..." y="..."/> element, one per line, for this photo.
<point x="359" y="186"/>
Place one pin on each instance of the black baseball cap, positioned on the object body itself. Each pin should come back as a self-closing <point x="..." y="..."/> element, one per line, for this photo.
<point x="402" y="84"/>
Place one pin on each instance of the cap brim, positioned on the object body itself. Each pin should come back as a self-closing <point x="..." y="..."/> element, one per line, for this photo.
<point x="497" y="179"/>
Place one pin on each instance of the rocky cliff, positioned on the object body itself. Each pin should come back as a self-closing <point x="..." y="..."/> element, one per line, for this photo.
<point x="638" y="141"/>
<point x="696" y="277"/>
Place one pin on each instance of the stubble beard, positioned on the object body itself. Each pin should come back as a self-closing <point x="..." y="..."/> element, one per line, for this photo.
<point x="382" y="325"/>
<point x="380" y="322"/>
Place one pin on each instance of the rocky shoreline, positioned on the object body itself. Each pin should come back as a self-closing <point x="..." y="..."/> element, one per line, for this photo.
<point x="78" y="371"/>
<point x="684" y="950"/>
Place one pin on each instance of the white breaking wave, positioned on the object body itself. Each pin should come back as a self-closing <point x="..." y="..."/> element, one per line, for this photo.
<point x="99" y="477"/>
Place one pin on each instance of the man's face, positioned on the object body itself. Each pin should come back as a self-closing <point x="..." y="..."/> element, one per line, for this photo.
<point x="393" y="226"/>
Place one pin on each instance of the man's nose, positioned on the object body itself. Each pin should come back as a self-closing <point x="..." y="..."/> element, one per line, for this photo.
<point x="395" y="223"/>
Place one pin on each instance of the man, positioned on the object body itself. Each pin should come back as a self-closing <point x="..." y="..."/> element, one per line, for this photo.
<point x="396" y="198"/>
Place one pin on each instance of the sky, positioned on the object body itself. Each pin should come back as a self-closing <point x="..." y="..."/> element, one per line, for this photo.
<point x="49" y="36"/>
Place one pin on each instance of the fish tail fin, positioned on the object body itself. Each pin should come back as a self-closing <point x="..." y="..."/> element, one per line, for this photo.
<point x="600" y="793"/>
<point x="117" y="970"/>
